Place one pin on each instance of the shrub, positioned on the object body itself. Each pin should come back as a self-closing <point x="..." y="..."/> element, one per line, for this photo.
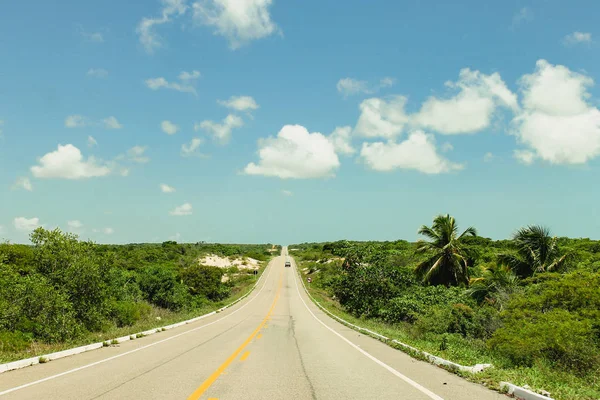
<point x="126" y="313"/>
<point x="14" y="341"/>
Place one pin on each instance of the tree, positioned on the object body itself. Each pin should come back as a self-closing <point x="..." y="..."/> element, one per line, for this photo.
<point x="536" y="251"/>
<point x="495" y="285"/>
<point x="449" y="262"/>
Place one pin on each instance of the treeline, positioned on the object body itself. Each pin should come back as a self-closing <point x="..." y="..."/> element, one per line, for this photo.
<point x="530" y="301"/>
<point x="60" y="288"/>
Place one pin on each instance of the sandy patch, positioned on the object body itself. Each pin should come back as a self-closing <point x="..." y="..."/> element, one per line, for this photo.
<point x="213" y="260"/>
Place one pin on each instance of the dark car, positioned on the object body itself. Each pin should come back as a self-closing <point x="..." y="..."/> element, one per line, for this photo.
<point x="288" y="264"/>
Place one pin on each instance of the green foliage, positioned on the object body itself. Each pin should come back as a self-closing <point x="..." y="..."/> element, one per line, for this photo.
<point x="205" y="281"/>
<point x="61" y="289"/>
<point x="448" y="257"/>
<point x="558" y="319"/>
<point x="535" y="251"/>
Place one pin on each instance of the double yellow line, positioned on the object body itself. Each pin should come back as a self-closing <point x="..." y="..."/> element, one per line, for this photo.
<point x="215" y="375"/>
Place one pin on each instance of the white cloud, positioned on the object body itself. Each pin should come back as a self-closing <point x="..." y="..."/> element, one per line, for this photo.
<point x="26" y="224"/>
<point x="74" y="224"/>
<point x="295" y="153"/>
<point x="97" y="72"/>
<point x="189" y="76"/>
<point x="577" y="37"/>
<point x="524" y="156"/>
<point x="191" y="148"/>
<point x="91" y="142"/>
<point x="23" y="182"/>
<point x="168" y="127"/>
<point x="145" y="29"/>
<point x="124" y="172"/>
<point x="240" y="21"/>
<point x="382" y="118"/>
<point x="186" y="84"/>
<point x="240" y="103"/>
<point x="351" y="86"/>
<point x="67" y="162"/>
<point x="184" y="209"/>
<point x="136" y="154"/>
<point x="341" y="140"/>
<point x="221" y="132"/>
<point x="111" y="123"/>
<point x="108" y="231"/>
<point x="523" y="15"/>
<point x="558" y="123"/>
<point x="75" y="121"/>
<point x="470" y="110"/>
<point x="286" y="193"/>
<point x="166" y="188"/>
<point x="446" y="147"/>
<point x="418" y="152"/>
<point x="488" y="157"/>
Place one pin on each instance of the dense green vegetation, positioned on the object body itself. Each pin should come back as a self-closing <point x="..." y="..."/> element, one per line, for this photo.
<point x="529" y="305"/>
<point x="61" y="290"/>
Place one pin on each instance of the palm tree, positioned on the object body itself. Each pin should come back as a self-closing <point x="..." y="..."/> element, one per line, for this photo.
<point x="495" y="284"/>
<point x="448" y="264"/>
<point x="536" y="251"/>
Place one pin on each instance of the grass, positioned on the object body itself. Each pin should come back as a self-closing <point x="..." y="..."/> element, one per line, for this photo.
<point x="156" y="318"/>
<point x="561" y="384"/>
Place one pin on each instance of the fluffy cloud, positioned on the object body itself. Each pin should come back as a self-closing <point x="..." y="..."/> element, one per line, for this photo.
<point x="168" y="127"/>
<point x="74" y="225"/>
<point x="382" y="118"/>
<point x="26" y="224"/>
<point x="23" y="182"/>
<point x="184" y="209"/>
<point x="145" y="29"/>
<point x="350" y="86"/>
<point x="67" y="162"/>
<point x="240" y="21"/>
<point x="166" y="188"/>
<point x="470" y="110"/>
<point x="111" y="123"/>
<point x="106" y="231"/>
<point x="186" y="84"/>
<point x="97" y="72"/>
<point x="577" y="37"/>
<point x="524" y="156"/>
<point x="75" y="121"/>
<point x="341" y="140"/>
<point x="137" y="154"/>
<point x="557" y="123"/>
<point x="191" y="148"/>
<point x="286" y="193"/>
<point x="418" y="152"/>
<point x="91" y="142"/>
<point x="295" y="153"/>
<point x="221" y="132"/>
<point x="240" y="103"/>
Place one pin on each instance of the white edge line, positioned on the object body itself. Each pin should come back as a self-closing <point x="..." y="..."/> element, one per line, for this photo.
<point x="139" y="348"/>
<point x="376" y="360"/>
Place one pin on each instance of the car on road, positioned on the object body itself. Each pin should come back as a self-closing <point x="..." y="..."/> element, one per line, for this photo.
<point x="288" y="264"/>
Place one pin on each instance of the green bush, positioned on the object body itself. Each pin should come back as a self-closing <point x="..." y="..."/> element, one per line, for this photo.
<point x="126" y="313"/>
<point x="558" y="319"/>
<point x="160" y="286"/>
<point x="14" y="341"/>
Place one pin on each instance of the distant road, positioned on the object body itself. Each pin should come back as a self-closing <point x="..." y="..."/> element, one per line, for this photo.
<point x="276" y="344"/>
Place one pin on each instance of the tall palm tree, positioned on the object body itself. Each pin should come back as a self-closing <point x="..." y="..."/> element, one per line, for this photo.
<point x="448" y="264"/>
<point x="536" y="251"/>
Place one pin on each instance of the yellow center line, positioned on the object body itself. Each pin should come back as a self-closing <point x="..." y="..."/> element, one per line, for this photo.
<point x="215" y="375"/>
<point x="244" y="356"/>
<point x="259" y="336"/>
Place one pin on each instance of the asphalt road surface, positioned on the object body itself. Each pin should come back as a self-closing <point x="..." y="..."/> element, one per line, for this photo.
<point x="275" y="344"/>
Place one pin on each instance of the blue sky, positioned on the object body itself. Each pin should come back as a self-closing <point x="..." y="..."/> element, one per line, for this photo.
<point x="273" y="121"/>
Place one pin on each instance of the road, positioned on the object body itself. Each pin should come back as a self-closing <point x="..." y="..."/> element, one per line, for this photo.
<point x="276" y="344"/>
